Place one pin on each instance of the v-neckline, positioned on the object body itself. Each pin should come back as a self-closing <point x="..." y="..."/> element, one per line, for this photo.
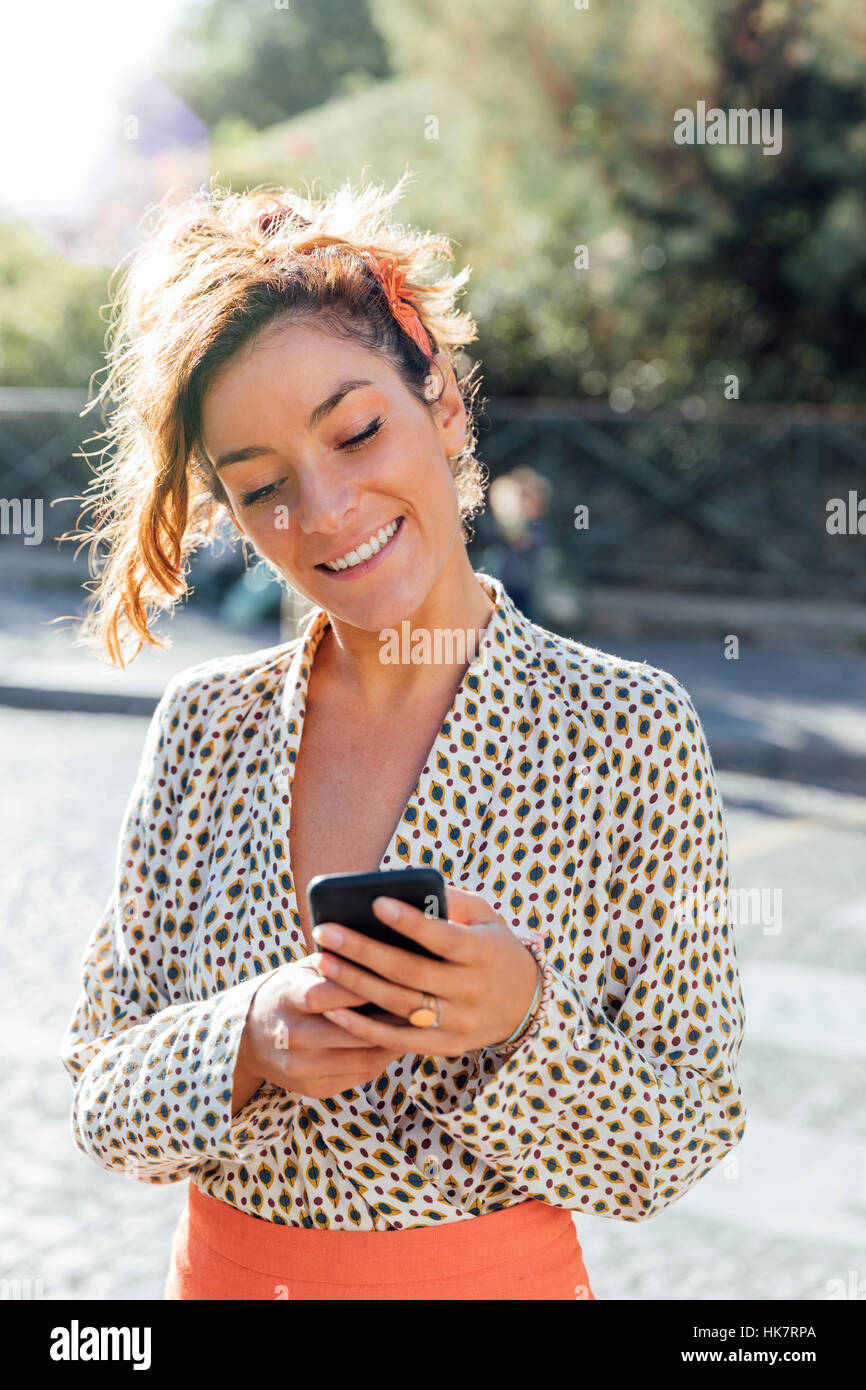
<point x="291" y="707"/>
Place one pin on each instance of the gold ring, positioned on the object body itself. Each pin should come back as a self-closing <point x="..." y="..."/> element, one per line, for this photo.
<point x="427" y="1013"/>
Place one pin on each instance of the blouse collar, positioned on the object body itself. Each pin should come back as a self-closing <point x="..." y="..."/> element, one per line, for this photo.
<point x="473" y="751"/>
<point x="506" y="656"/>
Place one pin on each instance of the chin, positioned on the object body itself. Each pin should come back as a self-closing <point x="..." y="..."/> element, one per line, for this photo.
<point x="388" y="607"/>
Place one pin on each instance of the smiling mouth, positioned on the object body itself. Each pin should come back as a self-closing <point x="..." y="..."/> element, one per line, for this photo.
<point x="359" y="558"/>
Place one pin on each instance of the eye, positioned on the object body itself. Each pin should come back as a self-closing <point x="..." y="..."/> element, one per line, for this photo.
<point x="249" y="499"/>
<point x="359" y="440"/>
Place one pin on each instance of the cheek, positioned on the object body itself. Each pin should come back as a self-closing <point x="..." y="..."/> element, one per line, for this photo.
<point x="260" y="527"/>
<point x="437" y="493"/>
<point x="244" y="520"/>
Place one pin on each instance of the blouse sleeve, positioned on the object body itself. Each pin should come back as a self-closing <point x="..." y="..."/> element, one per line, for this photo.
<point x="152" y="1073"/>
<point x="628" y="1093"/>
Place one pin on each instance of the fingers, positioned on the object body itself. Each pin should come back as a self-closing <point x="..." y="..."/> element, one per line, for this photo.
<point x="339" y="1061"/>
<point x="401" y="1040"/>
<point x="393" y="963"/>
<point x="316" y="1035"/>
<point x="347" y="1070"/>
<point x="448" y="939"/>
<point x="406" y="968"/>
<point x="395" y="1020"/>
<point x="324" y="993"/>
<point x="392" y="999"/>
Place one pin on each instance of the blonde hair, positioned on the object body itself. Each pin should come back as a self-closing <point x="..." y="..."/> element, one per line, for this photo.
<point x="213" y="272"/>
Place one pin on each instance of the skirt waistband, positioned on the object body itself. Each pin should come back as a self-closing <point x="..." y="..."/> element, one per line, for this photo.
<point x="464" y="1246"/>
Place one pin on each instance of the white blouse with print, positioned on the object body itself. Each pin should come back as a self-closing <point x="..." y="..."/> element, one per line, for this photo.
<point x="574" y="791"/>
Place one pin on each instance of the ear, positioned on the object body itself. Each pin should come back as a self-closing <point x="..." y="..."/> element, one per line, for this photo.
<point x="449" y="411"/>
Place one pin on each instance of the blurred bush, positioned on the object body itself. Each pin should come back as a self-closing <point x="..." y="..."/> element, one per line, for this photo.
<point x="50" y="330"/>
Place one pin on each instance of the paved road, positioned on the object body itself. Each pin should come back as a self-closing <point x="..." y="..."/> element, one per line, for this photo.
<point x="784" y="1217"/>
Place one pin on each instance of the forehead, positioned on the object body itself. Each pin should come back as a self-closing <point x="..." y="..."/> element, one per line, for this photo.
<point x="285" y="371"/>
<point x="300" y="353"/>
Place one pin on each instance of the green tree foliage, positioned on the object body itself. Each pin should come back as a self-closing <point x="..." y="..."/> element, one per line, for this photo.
<point x="256" y="62"/>
<point x="703" y="260"/>
<point x="764" y="269"/>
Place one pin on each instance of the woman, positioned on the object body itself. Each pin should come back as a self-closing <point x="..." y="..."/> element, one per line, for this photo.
<point x="288" y="366"/>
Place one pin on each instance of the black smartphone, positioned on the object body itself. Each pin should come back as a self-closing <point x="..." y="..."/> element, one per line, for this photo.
<point x="348" y="899"/>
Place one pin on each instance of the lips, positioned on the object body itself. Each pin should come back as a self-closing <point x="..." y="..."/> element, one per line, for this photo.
<point x="359" y="555"/>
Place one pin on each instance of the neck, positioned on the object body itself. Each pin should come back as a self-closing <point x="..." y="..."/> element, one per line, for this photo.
<point x="356" y="661"/>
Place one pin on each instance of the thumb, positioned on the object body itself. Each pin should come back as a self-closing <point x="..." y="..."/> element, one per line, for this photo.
<point x="470" y="909"/>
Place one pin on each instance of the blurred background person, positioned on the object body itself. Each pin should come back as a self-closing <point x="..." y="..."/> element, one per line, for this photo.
<point x="518" y="503"/>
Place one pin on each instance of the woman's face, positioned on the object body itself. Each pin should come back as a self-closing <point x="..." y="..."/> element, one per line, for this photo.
<point x="342" y="453"/>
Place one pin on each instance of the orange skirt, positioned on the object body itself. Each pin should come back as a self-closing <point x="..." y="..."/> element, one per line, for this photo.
<point x="527" y="1251"/>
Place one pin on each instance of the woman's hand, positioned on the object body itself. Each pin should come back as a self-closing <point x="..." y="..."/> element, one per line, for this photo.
<point x="287" y="1041"/>
<point x="484" y="984"/>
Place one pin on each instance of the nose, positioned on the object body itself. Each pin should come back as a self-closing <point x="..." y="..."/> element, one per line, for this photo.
<point x="325" y="504"/>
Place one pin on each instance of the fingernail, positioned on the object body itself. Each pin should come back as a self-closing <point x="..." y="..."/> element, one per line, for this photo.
<point x="388" y="908"/>
<point x="328" y="936"/>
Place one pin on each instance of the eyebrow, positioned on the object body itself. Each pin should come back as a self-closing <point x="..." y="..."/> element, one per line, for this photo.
<point x="322" y="410"/>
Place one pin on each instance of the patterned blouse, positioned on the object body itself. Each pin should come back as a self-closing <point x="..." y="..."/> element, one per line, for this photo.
<point x="574" y="791"/>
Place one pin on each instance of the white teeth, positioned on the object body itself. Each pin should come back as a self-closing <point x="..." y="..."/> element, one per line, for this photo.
<point x="365" y="551"/>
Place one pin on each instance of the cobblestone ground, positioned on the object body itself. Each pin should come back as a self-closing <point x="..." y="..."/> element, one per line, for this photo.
<point x="784" y="1218"/>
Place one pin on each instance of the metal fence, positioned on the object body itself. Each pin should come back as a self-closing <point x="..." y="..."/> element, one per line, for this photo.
<point x="733" y="503"/>
<point x="737" y="503"/>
